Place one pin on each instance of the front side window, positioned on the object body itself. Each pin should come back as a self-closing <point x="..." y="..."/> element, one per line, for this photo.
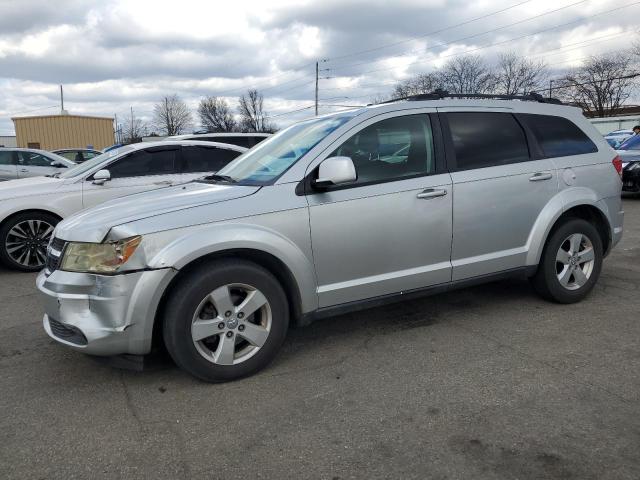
<point x="85" y="167"/>
<point x="32" y="159"/>
<point x="486" y="139"/>
<point x="206" y="159"/>
<point x="144" y="163"/>
<point x="559" y="136"/>
<point x="267" y="161"/>
<point x="391" y="149"/>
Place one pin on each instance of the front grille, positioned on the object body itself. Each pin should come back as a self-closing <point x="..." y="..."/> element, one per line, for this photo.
<point x="54" y="254"/>
<point x="68" y="333"/>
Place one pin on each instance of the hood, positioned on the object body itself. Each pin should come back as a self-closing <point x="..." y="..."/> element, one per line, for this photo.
<point x="92" y="225"/>
<point x="28" y="187"/>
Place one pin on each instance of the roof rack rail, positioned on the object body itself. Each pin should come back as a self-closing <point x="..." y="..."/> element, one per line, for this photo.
<point x="441" y="94"/>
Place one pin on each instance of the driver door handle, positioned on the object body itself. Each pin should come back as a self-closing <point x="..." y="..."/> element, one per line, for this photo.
<point x="163" y="182"/>
<point x="432" y="193"/>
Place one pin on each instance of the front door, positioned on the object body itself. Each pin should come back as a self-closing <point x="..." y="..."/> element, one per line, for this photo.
<point x="33" y="164"/>
<point x="140" y="171"/>
<point x="390" y="230"/>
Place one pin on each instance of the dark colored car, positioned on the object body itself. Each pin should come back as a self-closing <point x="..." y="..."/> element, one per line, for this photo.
<point x="77" y="155"/>
<point x="629" y="153"/>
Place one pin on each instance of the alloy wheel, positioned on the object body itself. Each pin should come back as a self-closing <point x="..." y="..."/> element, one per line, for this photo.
<point x="231" y="324"/>
<point x="575" y="261"/>
<point x="26" y="243"/>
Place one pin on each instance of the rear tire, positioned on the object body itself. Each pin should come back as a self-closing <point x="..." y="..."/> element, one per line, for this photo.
<point x="225" y="320"/>
<point x="571" y="262"/>
<point x="24" y="239"/>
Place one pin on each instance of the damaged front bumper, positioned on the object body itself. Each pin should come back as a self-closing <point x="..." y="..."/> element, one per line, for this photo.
<point x="103" y="314"/>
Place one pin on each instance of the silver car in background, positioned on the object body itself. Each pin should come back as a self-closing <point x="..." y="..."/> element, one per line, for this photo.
<point x="30" y="208"/>
<point x="337" y="213"/>
<point x="30" y="162"/>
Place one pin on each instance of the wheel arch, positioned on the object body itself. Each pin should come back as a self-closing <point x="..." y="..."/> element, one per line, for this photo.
<point x="573" y="203"/>
<point x="260" y="257"/>
<point x="28" y="210"/>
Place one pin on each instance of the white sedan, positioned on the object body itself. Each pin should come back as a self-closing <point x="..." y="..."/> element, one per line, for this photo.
<point x="30" y="208"/>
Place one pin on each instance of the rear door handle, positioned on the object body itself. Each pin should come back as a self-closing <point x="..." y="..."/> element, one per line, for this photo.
<point x="23" y="170"/>
<point x="540" y="176"/>
<point x="431" y="193"/>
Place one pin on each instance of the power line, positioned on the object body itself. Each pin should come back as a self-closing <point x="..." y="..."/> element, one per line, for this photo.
<point x="506" y="41"/>
<point x="468" y="37"/>
<point x="430" y="33"/>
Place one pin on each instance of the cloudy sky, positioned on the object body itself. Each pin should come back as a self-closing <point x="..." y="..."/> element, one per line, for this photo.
<point x="111" y="55"/>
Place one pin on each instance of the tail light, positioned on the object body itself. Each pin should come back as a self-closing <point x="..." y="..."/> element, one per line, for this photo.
<point x="617" y="164"/>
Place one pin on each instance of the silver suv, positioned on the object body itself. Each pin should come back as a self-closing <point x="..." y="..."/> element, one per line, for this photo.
<point x="333" y="214"/>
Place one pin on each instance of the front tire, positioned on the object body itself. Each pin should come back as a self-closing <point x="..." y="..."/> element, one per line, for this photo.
<point x="24" y="239"/>
<point x="571" y="262"/>
<point x="225" y="320"/>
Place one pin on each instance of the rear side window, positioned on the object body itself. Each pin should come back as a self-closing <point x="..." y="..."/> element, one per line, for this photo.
<point x="143" y="163"/>
<point x="559" y="136"/>
<point x="6" y="158"/>
<point x="202" y="159"/>
<point x="486" y="139"/>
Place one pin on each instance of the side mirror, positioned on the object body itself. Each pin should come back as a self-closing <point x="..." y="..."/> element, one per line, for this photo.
<point x="335" y="171"/>
<point x="56" y="164"/>
<point x="101" y="176"/>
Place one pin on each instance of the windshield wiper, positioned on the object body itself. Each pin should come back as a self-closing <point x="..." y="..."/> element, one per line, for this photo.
<point x="219" y="178"/>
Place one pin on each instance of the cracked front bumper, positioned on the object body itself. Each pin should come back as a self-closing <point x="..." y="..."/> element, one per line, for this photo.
<point x="100" y="314"/>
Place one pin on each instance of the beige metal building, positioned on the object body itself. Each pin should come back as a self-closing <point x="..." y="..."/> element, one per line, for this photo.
<point x="51" y="132"/>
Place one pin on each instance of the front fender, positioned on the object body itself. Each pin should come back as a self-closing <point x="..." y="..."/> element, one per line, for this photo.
<point x="560" y="203"/>
<point x="223" y="237"/>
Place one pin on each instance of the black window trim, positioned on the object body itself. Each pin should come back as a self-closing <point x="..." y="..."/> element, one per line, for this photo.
<point x="452" y="165"/>
<point x="306" y="187"/>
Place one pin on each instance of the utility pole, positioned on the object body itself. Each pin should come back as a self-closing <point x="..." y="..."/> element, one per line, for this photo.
<point x="316" y="89"/>
<point x="61" y="100"/>
<point x="550" y="87"/>
<point x="115" y="118"/>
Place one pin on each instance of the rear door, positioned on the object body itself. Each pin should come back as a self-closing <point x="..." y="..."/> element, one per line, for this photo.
<point x="140" y="171"/>
<point x="8" y="168"/>
<point x="500" y="186"/>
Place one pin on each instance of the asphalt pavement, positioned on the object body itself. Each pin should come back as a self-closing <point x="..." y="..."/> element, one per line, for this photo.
<point x="485" y="383"/>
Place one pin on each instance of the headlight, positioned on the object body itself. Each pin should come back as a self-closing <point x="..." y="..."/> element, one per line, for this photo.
<point x="99" y="257"/>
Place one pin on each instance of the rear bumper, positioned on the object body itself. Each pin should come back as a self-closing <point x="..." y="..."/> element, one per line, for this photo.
<point x="103" y="315"/>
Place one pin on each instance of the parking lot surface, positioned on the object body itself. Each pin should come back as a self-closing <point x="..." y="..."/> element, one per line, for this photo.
<point x="490" y="382"/>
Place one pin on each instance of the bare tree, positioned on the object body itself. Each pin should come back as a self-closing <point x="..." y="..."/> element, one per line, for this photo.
<point x="215" y="115"/>
<point x="252" y="114"/>
<point x="421" y="83"/>
<point x="516" y="74"/>
<point x="171" y="115"/>
<point x="467" y="74"/>
<point x="133" y="129"/>
<point x="601" y="85"/>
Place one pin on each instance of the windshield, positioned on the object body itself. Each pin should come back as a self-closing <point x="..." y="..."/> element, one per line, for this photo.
<point x="264" y="163"/>
<point x="631" y="143"/>
<point x="95" y="161"/>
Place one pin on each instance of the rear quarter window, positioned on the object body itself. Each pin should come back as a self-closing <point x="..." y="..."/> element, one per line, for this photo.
<point x="559" y="136"/>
